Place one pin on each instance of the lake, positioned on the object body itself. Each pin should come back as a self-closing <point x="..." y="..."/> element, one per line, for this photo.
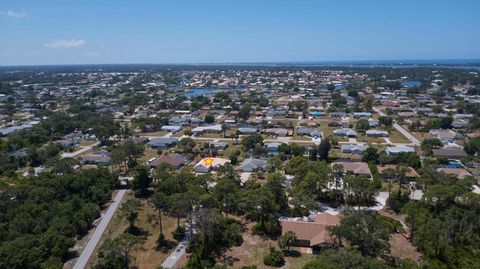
<point x="208" y="91"/>
<point x="410" y="84"/>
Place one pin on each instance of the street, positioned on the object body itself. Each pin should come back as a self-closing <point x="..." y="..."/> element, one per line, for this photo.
<point x="399" y="128"/>
<point x="93" y="241"/>
<point x="80" y="151"/>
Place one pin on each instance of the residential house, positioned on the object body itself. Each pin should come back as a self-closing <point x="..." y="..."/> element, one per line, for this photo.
<point x="451" y="153"/>
<point x="311" y="234"/>
<point x="203" y="166"/>
<point x="373" y="123"/>
<point x="362" y="114"/>
<point x="356" y="168"/>
<point x="272" y="147"/>
<point x="354" y="149"/>
<point x="174" y="159"/>
<point x="411" y="174"/>
<point x="217" y="128"/>
<point x="459" y="173"/>
<point x="171" y="128"/>
<point x="376" y="133"/>
<point x="162" y="142"/>
<point x="253" y="165"/>
<point x="281" y="132"/>
<point x="98" y="158"/>
<point x="399" y="149"/>
<point x="220" y="146"/>
<point x="345" y="132"/>
<point x="459" y="124"/>
<point x="338" y="114"/>
<point x="248" y="130"/>
<point x="301" y="131"/>
<point x="445" y="135"/>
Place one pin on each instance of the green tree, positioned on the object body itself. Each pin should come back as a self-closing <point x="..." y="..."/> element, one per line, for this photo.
<point x="287" y="240"/>
<point x="386" y="121"/>
<point x="209" y="118"/>
<point x="117" y="253"/>
<point x="249" y="142"/>
<point x="430" y="143"/>
<point x="362" y="125"/>
<point x="129" y="211"/>
<point x="244" y="112"/>
<point x="370" y="155"/>
<point x="362" y="231"/>
<point x="187" y="145"/>
<point x="324" y="149"/>
<point x="141" y="181"/>
<point x="274" y="258"/>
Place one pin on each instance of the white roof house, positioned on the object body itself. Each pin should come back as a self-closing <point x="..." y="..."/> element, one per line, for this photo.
<point x="354" y="149"/>
<point x="203" y="167"/>
<point x="171" y="128"/>
<point x="345" y="132"/>
<point x="377" y="133"/>
<point x="209" y="128"/>
<point x="399" y="149"/>
<point x="253" y="165"/>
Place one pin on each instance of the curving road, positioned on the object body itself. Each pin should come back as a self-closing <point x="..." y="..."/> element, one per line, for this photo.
<point x="97" y="234"/>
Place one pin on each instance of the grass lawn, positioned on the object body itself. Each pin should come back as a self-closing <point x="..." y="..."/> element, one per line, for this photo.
<point x="370" y="140"/>
<point x="328" y="131"/>
<point x="212" y="135"/>
<point x="148" y="257"/>
<point x="230" y="150"/>
<point x="87" y="142"/>
<point x="254" y="248"/>
<point x="421" y="135"/>
<point x="296" y="137"/>
<point x="148" y="154"/>
<point x="157" y="133"/>
<point x="397" y="137"/>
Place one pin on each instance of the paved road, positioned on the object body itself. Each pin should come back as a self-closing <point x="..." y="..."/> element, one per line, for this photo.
<point x="399" y="128"/>
<point x="93" y="241"/>
<point x="175" y="256"/>
<point x="80" y="151"/>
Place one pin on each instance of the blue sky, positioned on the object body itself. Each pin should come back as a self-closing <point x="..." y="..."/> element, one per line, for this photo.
<point x="219" y="31"/>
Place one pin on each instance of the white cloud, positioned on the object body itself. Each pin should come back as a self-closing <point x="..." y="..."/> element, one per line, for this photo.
<point x="14" y="14"/>
<point x="73" y="43"/>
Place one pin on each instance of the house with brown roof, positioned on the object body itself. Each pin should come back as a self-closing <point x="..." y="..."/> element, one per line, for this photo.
<point x="459" y="173"/>
<point x="174" y="159"/>
<point x="410" y="173"/>
<point x="451" y="153"/>
<point x="356" y="168"/>
<point x="311" y="234"/>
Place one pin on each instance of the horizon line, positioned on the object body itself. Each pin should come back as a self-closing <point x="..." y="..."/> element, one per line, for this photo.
<point x="475" y="61"/>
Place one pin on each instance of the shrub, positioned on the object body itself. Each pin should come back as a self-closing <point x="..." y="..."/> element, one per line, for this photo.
<point x="396" y="203"/>
<point x="274" y="258"/>
<point x="179" y="233"/>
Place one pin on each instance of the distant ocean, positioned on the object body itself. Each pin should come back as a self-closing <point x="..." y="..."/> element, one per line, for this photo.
<point x="463" y="64"/>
